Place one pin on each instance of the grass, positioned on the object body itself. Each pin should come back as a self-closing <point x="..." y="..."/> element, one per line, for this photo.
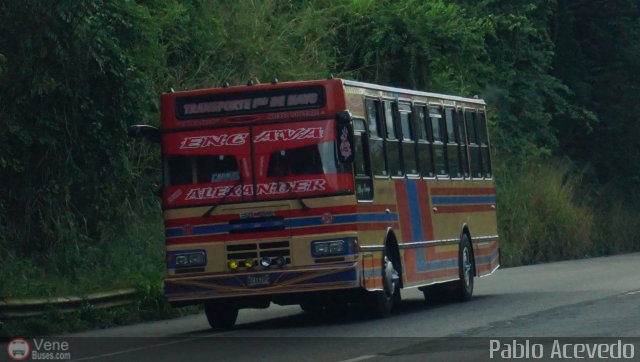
<point x="131" y="256"/>
<point x="545" y="214"/>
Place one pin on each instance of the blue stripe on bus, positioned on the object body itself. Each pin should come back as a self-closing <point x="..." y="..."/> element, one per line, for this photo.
<point x="456" y="200"/>
<point x="423" y="265"/>
<point x="487" y="258"/>
<point x="301" y="222"/>
<point x="414" y="210"/>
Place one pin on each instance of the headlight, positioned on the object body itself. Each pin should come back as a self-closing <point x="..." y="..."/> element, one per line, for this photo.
<point x="327" y="248"/>
<point x="186" y="258"/>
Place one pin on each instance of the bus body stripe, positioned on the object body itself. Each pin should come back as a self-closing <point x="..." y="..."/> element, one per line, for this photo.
<point x="403" y="210"/>
<point x="414" y="208"/>
<point x="425" y="210"/>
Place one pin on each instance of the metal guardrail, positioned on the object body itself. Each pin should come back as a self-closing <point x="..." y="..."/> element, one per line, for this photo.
<point x="30" y="307"/>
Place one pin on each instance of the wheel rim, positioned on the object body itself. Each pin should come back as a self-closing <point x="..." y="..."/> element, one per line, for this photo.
<point x="391" y="277"/>
<point x="466" y="267"/>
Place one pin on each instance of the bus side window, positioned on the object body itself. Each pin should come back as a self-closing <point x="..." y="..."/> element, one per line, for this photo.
<point x="392" y="142"/>
<point x="481" y="127"/>
<point x="376" y="144"/>
<point x="439" y="141"/>
<point x="361" y="164"/>
<point x="453" y="147"/>
<point x="474" y="146"/>
<point x="424" y="136"/>
<point x="462" y="136"/>
<point x="408" y="140"/>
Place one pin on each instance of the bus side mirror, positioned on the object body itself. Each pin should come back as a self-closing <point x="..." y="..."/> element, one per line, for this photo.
<point x="344" y="137"/>
<point x="145" y="131"/>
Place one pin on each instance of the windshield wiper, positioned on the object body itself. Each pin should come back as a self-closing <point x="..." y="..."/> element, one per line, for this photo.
<point x="214" y="206"/>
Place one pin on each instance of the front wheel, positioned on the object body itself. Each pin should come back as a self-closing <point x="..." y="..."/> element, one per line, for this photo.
<point x="381" y="302"/>
<point x="221" y="315"/>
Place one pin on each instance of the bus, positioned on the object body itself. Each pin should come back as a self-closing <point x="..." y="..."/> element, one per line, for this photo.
<point x="323" y="193"/>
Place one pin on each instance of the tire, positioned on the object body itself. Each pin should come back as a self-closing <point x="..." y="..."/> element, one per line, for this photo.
<point x="463" y="288"/>
<point x="220" y="315"/>
<point x="381" y="302"/>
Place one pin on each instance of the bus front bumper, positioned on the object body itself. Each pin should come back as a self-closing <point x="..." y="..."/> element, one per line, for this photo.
<point x="262" y="283"/>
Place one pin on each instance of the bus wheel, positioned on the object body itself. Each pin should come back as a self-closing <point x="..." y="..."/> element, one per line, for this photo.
<point x="220" y="315"/>
<point x="463" y="289"/>
<point x="381" y="302"/>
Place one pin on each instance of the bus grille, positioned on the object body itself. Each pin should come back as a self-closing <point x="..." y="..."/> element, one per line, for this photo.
<point x="255" y="251"/>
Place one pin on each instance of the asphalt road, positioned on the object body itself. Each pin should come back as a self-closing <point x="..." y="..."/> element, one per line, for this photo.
<point x="587" y="299"/>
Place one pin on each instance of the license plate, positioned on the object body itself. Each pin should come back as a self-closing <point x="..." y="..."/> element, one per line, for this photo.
<point x="258" y="280"/>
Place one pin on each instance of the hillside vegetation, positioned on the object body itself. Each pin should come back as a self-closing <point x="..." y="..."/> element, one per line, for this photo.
<point x="77" y="208"/>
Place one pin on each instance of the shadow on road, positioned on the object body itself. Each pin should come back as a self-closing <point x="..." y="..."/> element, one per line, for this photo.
<point x="349" y="314"/>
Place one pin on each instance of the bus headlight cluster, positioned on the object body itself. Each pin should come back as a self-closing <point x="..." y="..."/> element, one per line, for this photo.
<point x="185" y="259"/>
<point x="266" y="261"/>
<point x="323" y="248"/>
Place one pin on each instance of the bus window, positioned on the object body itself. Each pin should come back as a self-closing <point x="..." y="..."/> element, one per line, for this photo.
<point x="481" y="126"/>
<point x="362" y="168"/>
<point x="182" y="170"/>
<point x="462" y="136"/>
<point x="425" y="154"/>
<point x="408" y="145"/>
<point x="217" y="168"/>
<point x="453" y="148"/>
<point x="376" y="144"/>
<point x="392" y="142"/>
<point x="308" y="160"/>
<point x="439" y="141"/>
<point x="372" y="107"/>
<point x="474" y="147"/>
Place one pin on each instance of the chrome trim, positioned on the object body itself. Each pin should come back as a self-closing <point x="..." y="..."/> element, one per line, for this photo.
<point x="491" y="272"/>
<point x="432" y="283"/>
<point x="371" y="247"/>
<point x="419" y="244"/>
<point x="486" y="238"/>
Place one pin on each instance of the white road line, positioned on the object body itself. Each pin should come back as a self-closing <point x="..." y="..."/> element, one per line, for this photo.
<point x="361" y="358"/>
<point x="632" y="293"/>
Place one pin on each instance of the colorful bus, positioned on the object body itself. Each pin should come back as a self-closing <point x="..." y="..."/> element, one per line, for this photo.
<point x="323" y="193"/>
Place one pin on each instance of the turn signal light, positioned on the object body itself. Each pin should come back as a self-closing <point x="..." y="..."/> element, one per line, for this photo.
<point x="233" y="265"/>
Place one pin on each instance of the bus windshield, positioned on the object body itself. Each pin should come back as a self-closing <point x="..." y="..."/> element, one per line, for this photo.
<point x="276" y="161"/>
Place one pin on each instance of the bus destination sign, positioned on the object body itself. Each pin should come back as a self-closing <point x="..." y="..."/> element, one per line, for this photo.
<point x="224" y="105"/>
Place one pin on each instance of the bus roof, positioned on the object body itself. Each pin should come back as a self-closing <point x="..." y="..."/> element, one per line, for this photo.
<point x="354" y="83"/>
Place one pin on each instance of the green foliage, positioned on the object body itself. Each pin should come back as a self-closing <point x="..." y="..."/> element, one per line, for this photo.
<point x="439" y="47"/>
<point x="73" y="87"/>
<point x="541" y="214"/>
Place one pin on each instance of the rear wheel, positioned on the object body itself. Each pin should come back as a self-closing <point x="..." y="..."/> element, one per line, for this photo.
<point x="463" y="289"/>
<point x="460" y="290"/>
<point x="221" y="315"/>
<point x="381" y="302"/>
